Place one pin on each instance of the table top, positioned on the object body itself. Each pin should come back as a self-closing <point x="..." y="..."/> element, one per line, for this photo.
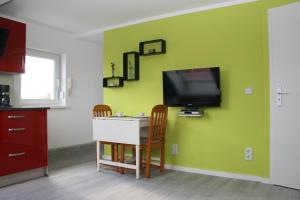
<point x="124" y="118"/>
<point x="125" y="130"/>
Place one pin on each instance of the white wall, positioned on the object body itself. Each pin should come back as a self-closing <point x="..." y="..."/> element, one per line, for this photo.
<point x="72" y="125"/>
<point x="5" y="79"/>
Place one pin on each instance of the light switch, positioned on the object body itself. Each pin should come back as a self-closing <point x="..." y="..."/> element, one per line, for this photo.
<point x="248" y="90"/>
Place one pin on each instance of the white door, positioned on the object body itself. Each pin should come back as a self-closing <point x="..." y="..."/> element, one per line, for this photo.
<point x="284" y="47"/>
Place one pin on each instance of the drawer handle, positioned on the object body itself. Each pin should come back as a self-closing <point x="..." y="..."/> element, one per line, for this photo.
<point x="16" y="129"/>
<point x="15" y="116"/>
<point x="23" y="62"/>
<point x="11" y="155"/>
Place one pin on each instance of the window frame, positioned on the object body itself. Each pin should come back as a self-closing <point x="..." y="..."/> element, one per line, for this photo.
<point x="58" y="97"/>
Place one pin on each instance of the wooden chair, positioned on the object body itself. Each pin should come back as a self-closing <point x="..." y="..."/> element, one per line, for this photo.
<point x="105" y="111"/>
<point x="155" y="138"/>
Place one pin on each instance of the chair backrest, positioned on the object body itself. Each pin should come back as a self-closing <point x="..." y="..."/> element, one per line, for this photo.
<point x="158" y="123"/>
<point x="102" y="111"/>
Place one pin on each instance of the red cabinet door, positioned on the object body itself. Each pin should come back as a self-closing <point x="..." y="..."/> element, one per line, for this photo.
<point x="23" y="140"/>
<point x="14" y="46"/>
<point x="18" y="158"/>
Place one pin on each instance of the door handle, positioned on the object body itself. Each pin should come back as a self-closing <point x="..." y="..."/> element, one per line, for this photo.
<point x="16" y="129"/>
<point x="15" y="116"/>
<point x="11" y="155"/>
<point x="279" y="93"/>
<point x="23" y="62"/>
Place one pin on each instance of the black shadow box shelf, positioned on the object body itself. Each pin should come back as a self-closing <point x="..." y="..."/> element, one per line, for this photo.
<point x="152" y="47"/>
<point x="111" y="82"/>
<point x="131" y="65"/>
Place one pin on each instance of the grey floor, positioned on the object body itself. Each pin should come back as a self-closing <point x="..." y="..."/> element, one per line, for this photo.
<point x="73" y="176"/>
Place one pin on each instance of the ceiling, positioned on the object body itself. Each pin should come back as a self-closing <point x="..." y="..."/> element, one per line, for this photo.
<point x="88" y="18"/>
<point x="3" y="1"/>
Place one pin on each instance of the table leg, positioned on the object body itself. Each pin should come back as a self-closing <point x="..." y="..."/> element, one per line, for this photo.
<point x="137" y="161"/>
<point x="98" y="155"/>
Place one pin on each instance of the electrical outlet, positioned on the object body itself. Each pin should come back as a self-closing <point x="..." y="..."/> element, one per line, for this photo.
<point x="174" y="149"/>
<point x="248" y="153"/>
<point x="248" y="90"/>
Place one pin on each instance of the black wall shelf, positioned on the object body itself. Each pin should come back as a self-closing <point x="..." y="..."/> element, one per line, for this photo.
<point x="110" y="82"/>
<point x="131" y="65"/>
<point x="152" y="47"/>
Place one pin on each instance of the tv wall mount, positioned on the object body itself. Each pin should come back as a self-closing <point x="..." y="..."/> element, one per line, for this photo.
<point x="191" y="112"/>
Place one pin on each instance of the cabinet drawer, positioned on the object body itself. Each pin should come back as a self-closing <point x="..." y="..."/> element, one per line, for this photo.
<point x="23" y="127"/>
<point x="17" y="158"/>
<point x="20" y="117"/>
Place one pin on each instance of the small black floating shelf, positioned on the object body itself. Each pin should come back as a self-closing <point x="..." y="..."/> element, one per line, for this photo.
<point x="110" y="82"/>
<point x="131" y="65"/>
<point x="152" y="47"/>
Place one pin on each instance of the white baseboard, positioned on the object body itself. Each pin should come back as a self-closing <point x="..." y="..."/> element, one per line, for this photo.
<point x="218" y="174"/>
<point x="208" y="172"/>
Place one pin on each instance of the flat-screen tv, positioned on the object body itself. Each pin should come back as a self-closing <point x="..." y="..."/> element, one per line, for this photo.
<point x="192" y="87"/>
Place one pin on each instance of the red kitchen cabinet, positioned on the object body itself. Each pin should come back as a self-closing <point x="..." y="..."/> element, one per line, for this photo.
<point x="23" y="140"/>
<point x="12" y="46"/>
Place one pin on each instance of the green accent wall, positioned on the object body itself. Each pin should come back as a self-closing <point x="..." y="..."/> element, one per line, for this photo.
<point x="234" y="38"/>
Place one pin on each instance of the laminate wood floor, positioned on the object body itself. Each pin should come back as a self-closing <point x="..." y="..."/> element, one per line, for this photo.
<point x="80" y="181"/>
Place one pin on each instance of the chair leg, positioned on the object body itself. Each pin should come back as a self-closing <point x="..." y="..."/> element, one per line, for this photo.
<point x="148" y="161"/>
<point x="115" y="154"/>
<point x="122" y="158"/>
<point x="162" y="158"/>
<point x="133" y="152"/>
<point x="112" y="149"/>
<point x="141" y="158"/>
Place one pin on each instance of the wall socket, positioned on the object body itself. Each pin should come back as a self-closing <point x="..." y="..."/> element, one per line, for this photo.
<point x="248" y="153"/>
<point x="174" y="149"/>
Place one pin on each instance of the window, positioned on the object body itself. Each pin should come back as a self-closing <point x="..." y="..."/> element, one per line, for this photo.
<point x="41" y="83"/>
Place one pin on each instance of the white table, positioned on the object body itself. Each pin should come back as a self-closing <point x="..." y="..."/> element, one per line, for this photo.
<point x="124" y="130"/>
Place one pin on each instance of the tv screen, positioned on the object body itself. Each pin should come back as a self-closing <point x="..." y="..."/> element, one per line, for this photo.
<point x="192" y="87"/>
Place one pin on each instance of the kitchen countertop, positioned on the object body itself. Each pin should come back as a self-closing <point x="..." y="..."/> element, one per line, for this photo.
<point x="22" y="108"/>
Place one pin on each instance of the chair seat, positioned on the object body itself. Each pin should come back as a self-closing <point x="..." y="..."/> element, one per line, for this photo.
<point x="104" y="142"/>
<point x="144" y="141"/>
<point x="154" y="143"/>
